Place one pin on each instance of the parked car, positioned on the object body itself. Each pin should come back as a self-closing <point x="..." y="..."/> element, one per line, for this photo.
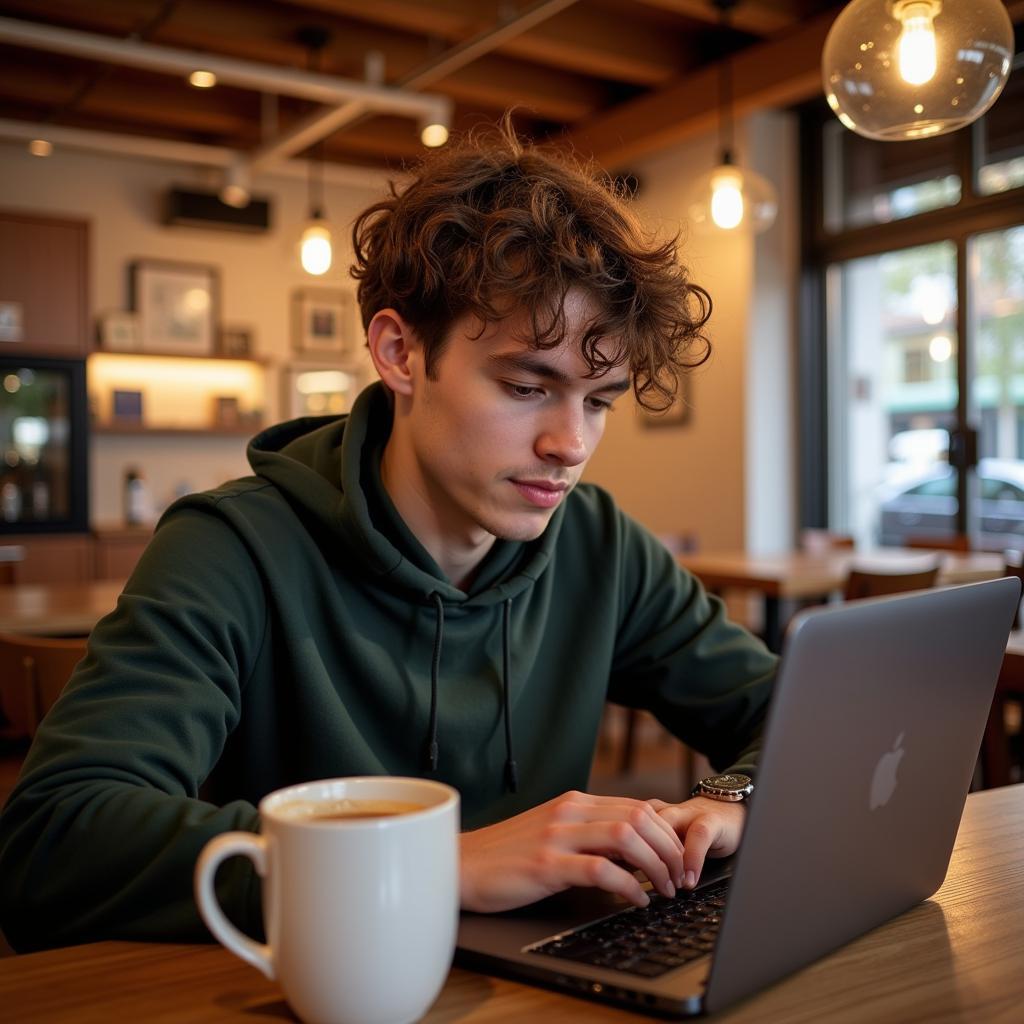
<point x="926" y="506"/>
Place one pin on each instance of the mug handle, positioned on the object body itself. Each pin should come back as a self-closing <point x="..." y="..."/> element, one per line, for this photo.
<point x="231" y="844"/>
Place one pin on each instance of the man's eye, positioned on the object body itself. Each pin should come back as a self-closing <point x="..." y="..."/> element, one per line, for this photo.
<point x="522" y="390"/>
<point x="600" y="405"/>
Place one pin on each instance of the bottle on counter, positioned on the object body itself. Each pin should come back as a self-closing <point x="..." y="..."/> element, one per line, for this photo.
<point x="136" y="498"/>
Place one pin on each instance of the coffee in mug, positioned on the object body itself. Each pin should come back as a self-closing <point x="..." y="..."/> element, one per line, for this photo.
<point x="360" y="896"/>
<point x="346" y="810"/>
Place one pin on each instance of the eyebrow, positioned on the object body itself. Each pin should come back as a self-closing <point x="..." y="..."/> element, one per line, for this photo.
<point x="537" y="367"/>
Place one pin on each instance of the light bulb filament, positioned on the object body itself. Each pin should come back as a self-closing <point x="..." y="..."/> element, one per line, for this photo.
<point x="727" y="199"/>
<point x="916" y="48"/>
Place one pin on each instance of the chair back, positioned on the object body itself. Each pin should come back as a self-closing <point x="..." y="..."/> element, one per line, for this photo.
<point x="33" y="671"/>
<point x="861" y="583"/>
<point x="956" y="542"/>
<point x="1014" y="566"/>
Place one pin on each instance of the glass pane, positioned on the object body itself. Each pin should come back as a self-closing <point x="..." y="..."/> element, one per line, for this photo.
<point x="34" y="435"/>
<point x="996" y="290"/>
<point x="893" y="395"/>
<point x="872" y="182"/>
<point x="1001" y="139"/>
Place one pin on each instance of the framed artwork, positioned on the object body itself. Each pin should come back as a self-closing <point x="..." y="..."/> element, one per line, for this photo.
<point x="126" y="406"/>
<point x="118" y="331"/>
<point x="676" y="415"/>
<point x="323" y="322"/>
<point x="177" y="306"/>
<point x="317" y="391"/>
<point x="235" y="342"/>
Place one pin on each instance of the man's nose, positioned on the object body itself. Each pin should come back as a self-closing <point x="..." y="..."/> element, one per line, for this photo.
<point x="563" y="441"/>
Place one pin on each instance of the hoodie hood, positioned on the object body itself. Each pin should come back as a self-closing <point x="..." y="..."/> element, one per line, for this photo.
<point x="328" y="468"/>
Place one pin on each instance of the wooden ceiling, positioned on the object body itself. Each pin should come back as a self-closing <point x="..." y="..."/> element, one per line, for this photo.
<point x="616" y="78"/>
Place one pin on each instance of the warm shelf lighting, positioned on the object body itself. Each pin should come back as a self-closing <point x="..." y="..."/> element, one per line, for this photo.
<point x="202" y="79"/>
<point x="909" y="69"/>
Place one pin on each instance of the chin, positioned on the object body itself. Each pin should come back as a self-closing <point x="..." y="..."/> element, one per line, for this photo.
<point x="519" y="528"/>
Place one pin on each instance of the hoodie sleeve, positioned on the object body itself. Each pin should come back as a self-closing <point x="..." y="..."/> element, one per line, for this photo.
<point x="705" y="678"/>
<point x="100" y="836"/>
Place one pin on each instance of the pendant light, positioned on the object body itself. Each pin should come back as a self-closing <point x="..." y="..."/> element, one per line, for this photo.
<point x="315" y="250"/>
<point x="909" y="69"/>
<point x="730" y="198"/>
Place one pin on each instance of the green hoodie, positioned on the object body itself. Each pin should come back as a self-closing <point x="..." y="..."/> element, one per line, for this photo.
<point x="284" y="627"/>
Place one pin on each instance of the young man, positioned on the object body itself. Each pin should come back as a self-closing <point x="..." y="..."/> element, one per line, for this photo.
<point x="421" y="587"/>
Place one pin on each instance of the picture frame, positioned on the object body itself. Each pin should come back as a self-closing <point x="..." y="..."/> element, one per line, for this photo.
<point x="118" y="331"/>
<point x="126" y="407"/>
<point x="676" y="415"/>
<point x="177" y="305"/>
<point x="226" y="412"/>
<point x="235" y="343"/>
<point x="322" y="322"/>
<point x="317" y="390"/>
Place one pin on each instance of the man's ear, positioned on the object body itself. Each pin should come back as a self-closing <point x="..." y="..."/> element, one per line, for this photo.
<point x="394" y="349"/>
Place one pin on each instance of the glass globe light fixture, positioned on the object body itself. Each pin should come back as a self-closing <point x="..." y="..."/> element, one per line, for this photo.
<point x="730" y="198"/>
<point x="909" y="69"/>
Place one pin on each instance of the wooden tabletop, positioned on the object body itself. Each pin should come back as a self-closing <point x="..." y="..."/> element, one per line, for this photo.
<point x="58" y="609"/>
<point x="954" y="958"/>
<point x="797" y="574"/>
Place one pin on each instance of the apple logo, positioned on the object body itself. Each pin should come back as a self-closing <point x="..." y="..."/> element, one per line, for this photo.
<point x="883" y="782"/>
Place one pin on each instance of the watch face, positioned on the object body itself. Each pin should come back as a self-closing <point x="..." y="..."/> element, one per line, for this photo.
<point x="729" y="783"/>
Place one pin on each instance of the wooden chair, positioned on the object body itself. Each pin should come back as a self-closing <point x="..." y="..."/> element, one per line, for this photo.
<point x="1013" y="562"/>
<point x="957" y="542"/>
<point x="33" y="671"/>
<point x="861" y="583"/>
<point x="996" y="755"/>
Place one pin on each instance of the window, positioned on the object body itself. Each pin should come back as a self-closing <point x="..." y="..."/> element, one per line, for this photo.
<point x="912" y="341"/>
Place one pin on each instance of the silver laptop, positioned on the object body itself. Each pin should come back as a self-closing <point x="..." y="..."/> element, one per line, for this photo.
<point x="871" y="744"/>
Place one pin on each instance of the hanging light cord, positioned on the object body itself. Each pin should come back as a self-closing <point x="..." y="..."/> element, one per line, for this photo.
<point x="725" y="126"/>
<point x="315" y="164"/>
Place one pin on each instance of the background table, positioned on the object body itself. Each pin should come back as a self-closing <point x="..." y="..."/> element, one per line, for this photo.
<point x="954" y="958"/>
<point x="59" y="609"/>
<point x="801" y="575"/>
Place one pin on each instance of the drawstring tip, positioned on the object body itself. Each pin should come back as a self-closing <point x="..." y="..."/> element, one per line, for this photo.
<point x="512" y="776"/>
<point x="432" y="756"/>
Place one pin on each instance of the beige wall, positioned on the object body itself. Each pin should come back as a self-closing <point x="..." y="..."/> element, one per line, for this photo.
<point x="690" y="478"/>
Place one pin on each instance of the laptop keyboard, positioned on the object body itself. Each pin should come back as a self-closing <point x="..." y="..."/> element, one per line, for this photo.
<point x="647" y="941"/>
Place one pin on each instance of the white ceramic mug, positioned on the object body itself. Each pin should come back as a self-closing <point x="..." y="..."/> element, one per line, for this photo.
<point x="360" y="913"/>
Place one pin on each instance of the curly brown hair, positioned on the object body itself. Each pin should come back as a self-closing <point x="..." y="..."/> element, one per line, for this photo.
<point x="491" y="227"/>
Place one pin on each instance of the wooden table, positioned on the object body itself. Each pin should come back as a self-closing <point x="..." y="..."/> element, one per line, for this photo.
<point x="799" y="574"/>
<point x="955" y="958"/>
<point x="59" y="609"/>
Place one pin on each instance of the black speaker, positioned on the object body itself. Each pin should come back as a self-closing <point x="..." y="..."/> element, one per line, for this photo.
<point x="205" y="210"/>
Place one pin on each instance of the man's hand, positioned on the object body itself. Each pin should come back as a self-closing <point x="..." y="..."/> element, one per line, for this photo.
<point x="708" y="828"/>
<point x="582" y="839"/>
<point x="571" y="840"/>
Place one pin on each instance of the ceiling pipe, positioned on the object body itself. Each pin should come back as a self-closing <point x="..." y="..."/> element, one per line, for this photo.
<point x="168" y="151"/>
<point x="322" y="123"/>
<point x="247" y="74"/>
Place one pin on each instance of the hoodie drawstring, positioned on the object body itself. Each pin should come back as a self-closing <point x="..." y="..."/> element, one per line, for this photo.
<point x="435" y="668"/>
<point x="511" y="769"/>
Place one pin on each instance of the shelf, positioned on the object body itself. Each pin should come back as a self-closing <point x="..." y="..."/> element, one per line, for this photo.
<point x="138" y="429"/>
<point x="217" y="358"/>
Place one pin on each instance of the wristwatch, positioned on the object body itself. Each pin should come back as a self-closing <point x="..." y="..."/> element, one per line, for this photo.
<point x="729" y="788"/>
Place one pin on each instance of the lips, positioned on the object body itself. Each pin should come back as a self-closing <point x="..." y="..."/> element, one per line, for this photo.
<point x="541" y="493"/>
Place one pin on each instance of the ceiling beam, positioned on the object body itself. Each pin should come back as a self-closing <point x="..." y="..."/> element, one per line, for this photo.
<point x="758" y="17"/>
<point x="775" y="73"/>
<point x="588" y="42"/>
